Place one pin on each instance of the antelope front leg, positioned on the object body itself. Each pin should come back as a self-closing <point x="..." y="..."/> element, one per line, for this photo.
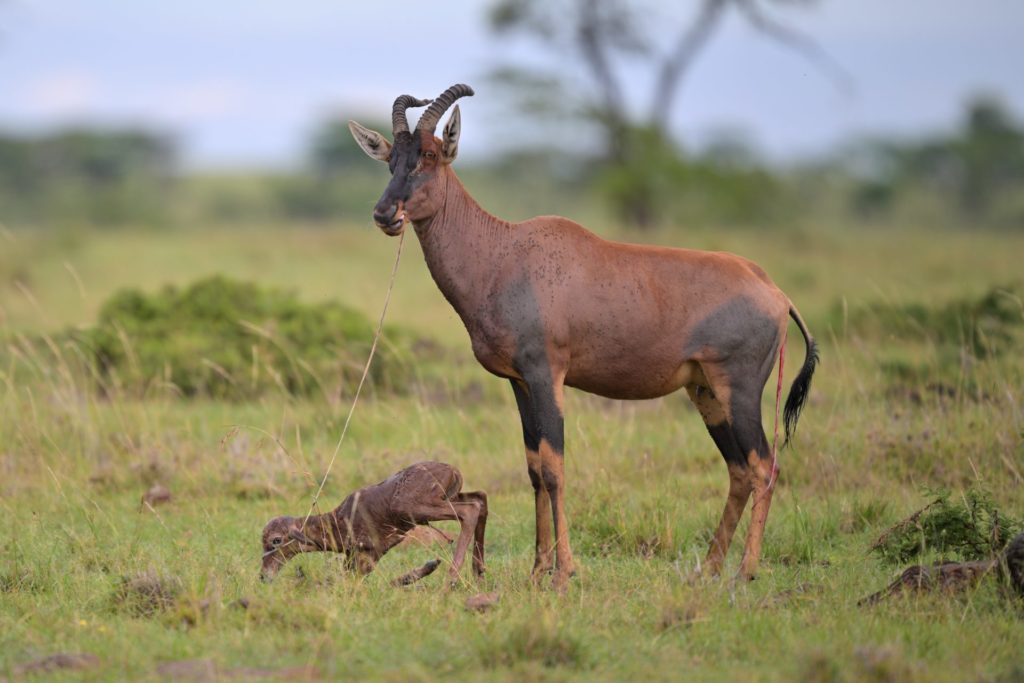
<point x="544" y="550"/>
<point x="546" y="401"/>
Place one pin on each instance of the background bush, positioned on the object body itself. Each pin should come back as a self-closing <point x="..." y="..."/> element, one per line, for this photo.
<point x="228" y="339"/>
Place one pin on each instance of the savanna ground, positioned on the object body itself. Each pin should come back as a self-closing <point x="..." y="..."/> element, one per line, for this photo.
<point x="889" y="417"/>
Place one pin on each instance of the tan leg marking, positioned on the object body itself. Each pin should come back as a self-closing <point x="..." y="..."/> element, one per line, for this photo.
<point x="739" y="493"/>
<point x="544" y="551"/>
<point x="759" y="472"/>
<point x="554" y="480"/>
<point x="714" y="415"/>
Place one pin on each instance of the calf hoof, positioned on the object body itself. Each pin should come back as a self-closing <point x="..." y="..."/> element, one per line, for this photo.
<point x="452" y="582"/>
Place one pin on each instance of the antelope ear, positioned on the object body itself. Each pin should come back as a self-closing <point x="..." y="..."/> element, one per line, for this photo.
<point x="373" y="143"/>
<point x="450" y="136"/>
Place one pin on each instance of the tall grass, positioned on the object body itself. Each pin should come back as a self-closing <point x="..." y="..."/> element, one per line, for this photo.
<point x="645" y="488"/>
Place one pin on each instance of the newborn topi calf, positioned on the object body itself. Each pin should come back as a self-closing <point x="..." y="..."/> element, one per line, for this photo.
<point x="374" y="519"/>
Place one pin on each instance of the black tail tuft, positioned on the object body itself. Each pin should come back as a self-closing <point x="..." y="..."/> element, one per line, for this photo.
<point x="801" y="386"/>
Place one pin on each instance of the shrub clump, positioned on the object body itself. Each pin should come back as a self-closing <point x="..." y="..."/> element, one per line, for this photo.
<point x="985" y="326"/>
<point x="228" y="339"/>
<point x="969" y="528"/>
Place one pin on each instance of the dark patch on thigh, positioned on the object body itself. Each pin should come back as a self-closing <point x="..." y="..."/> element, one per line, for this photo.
<point x="749" y="431"/>
<point x="738" y="331"/>
<point x="725" y="439"/>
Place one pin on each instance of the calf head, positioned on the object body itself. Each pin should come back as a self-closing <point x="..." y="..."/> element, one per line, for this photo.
<point x="284" y="538"/>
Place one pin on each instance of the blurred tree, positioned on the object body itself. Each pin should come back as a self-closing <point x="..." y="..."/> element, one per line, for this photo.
<point x="337" y="181"/>
<point x="980" y="167"/>
<point x="105" y="158"/>
<point x="991" y="150"/>
<point x="593" y="34"/>
<point x="102" y="176"/>
<point x="333" y="149"/>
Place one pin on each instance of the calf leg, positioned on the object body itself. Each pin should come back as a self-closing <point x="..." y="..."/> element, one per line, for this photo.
<point x="466" y="511"/>
<point x="481" y="526"/>
<point x="468" y="515"/>
<point x="544" y="550"/>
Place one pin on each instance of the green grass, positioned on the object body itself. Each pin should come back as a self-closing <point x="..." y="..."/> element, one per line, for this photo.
<point x="646" y="485"/>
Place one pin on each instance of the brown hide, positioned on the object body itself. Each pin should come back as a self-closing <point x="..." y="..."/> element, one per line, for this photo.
<point x="547" y="303"/>
<point x="621" y="320"/>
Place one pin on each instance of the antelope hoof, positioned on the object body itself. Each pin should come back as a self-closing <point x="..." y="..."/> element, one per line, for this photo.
<point x="539" y="572"/>
<point x="560" y="581"/>
<point x="709" y="570"/>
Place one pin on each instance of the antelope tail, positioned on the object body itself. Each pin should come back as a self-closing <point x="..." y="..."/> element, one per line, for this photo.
<point x="802" y="383"/>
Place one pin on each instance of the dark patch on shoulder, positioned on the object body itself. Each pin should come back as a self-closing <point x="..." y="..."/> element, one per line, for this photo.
<point x="531" y="434"/>
<point x="517" y="308"/>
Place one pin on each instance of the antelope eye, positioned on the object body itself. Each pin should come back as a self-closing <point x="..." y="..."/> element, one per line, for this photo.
<point x="430" y="155"/>
<point x="276" y="541"/>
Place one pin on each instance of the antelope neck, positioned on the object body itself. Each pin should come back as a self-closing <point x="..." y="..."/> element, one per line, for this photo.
<point x="463" y="246"/>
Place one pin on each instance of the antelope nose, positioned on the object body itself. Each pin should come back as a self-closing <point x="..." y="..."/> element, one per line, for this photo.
<point x="385" y="215"/>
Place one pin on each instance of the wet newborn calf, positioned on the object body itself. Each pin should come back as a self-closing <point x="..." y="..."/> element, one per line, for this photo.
<point x="375" y="519"/>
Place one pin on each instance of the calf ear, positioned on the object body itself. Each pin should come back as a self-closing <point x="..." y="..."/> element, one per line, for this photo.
<point x="450" y="136"/>
<point x="297" y="535"/>
<point x="373" y="143"/>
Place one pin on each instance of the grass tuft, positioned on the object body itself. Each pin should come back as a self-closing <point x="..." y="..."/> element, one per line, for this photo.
<point x="539" y="639"/>
<point x="968" y="528"/>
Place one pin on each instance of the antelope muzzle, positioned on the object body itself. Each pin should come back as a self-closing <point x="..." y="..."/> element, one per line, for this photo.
<point x="389" y="217"/>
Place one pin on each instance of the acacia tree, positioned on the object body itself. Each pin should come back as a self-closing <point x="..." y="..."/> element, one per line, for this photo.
<point x="597" y="34"/>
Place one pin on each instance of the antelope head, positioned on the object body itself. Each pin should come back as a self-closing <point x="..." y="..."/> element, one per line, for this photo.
<point x="416" y="159"/>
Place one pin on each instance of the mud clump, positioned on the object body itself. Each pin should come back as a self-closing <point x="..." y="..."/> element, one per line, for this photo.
<point x="147" y="594"/>
<point x="61" y="661"/>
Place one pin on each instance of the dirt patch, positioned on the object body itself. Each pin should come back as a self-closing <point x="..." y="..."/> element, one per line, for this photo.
<point x="158" y="494"/>
<point x="61" y="661"/>
<point x="481" y="602"/>
<point x="680" y="615"/>
<point x="208" y="670"/>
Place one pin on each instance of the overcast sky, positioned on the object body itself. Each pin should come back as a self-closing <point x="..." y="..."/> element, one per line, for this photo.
<point x="244" y="82"/>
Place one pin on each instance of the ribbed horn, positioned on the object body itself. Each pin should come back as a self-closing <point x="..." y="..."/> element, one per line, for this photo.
<point x="399" y="124"/>
<point x="433" y="113"/>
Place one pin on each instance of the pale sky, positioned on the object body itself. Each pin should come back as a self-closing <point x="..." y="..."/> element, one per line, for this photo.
<point x="244" y="82"/>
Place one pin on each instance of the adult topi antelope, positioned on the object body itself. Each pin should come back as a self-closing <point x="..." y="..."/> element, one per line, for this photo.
<point x="548" y="304"/>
